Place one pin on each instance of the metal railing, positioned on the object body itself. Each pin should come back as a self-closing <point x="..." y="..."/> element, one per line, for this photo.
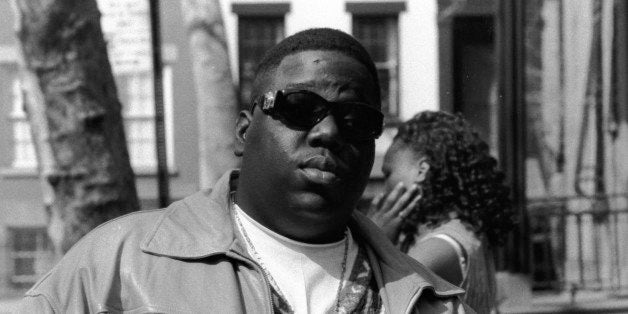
<point x="579" y="243"/>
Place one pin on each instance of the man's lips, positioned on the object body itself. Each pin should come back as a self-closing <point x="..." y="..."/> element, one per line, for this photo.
<point x="319" y="176"/>
<point x="322" y="169"/>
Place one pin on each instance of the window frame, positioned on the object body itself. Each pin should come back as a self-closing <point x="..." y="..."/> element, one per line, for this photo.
<point x="24" y="157"/>
<point x="42" y="254"/>
<point x="388" y="13"/>
<point x="271" y="13"/>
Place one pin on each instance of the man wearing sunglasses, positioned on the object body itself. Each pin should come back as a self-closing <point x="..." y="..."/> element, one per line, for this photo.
<point x="280" y="235"/>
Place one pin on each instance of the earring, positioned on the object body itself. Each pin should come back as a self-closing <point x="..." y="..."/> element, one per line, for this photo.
<point x="244" y="136"/>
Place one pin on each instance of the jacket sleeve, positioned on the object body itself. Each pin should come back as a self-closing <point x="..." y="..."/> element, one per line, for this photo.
<point x="35" y="304"/>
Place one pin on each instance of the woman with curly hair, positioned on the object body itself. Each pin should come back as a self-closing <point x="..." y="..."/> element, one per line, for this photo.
<point x="445" y="202"/>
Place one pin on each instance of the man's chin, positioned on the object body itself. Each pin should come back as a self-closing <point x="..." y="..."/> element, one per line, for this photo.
<point x="311" y="199"/>
<point x="316" y="206"/>
<point x="316" y="218"/>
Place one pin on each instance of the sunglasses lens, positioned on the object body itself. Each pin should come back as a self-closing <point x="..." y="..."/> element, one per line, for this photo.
<point x="303" y="109"/>
<point x="359" y="121"/>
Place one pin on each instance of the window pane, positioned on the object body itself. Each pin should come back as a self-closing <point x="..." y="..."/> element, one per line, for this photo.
<point x="29" y="254"/>
<point x="24" y="266"/>
<point x="256" y="36"/>
<point x="23" y="149"/>
<point x="379" y="35"/>
<point x="372" y="33"/>
<point x="24" y="240"/>
<point x="18" y="99"/>
<point x="141" y="141"/>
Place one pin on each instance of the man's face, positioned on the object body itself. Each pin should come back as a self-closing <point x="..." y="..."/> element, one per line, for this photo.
<point x="309" y="178"/>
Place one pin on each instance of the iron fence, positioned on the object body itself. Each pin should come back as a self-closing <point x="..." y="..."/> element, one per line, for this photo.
<point x="579" y="242"/>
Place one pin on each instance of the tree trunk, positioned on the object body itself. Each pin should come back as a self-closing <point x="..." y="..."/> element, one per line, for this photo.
<point x="215" y="93"/>
<point x="76" y="117"/>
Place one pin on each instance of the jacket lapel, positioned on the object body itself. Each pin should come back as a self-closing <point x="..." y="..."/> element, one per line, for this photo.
<point x="195" y="227"/>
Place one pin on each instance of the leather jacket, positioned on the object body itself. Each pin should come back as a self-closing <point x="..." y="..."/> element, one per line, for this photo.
<point x="187" y="259"/>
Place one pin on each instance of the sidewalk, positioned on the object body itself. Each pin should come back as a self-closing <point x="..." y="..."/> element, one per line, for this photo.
<point x="584" y="302"/>
<point x="8" y="306"/>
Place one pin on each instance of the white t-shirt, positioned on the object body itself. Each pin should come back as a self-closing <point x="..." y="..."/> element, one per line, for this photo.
<point x="308" y="275"/>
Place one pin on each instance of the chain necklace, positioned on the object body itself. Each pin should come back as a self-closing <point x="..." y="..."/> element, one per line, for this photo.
<point x="267" y="273"/>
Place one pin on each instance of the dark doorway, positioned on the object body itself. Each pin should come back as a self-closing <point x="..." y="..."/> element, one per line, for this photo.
<point x="474" y="70"/>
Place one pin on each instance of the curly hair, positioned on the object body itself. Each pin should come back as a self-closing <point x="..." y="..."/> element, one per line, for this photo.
<point x="463" y="177"/>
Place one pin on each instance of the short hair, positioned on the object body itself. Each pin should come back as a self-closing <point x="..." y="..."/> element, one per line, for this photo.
<point x="312" y="39"/>
<point x="463" y="177"/>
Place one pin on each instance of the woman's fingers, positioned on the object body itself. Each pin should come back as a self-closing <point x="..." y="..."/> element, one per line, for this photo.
<point x="398" y="203"/>
<point x="374" y="208"/>
<point x="377" y="199"/>
<point x="404" y="200"/>
<point x="408" y="209"/>
<point x="391" y="198"/>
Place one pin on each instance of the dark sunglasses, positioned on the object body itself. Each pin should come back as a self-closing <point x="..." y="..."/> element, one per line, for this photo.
<point x="304" y="109"/>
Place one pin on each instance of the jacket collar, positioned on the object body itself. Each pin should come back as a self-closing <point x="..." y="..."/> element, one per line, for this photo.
<point x="201" y="225"/>
<point x="195" y="227"/>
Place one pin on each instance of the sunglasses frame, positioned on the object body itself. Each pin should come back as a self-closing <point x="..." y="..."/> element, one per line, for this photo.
<point x="268" y="100"/>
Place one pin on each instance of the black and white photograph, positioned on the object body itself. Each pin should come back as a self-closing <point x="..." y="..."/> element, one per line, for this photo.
<point x="314" y="156"/>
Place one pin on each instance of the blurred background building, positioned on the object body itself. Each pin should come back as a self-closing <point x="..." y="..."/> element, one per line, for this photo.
<point x="544" y="81"/>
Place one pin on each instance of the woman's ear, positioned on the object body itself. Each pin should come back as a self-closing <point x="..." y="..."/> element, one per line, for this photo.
<point x="242" y="125"/>
<point x="423" y="169"/>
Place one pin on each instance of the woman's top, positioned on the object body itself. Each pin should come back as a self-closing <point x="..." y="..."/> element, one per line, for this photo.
<point x="476" y="263"/>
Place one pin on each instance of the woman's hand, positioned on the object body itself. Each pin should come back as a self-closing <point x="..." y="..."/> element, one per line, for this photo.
<point x="388" y="211"/>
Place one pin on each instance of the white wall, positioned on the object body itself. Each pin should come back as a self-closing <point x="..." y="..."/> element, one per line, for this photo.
<point x="306" y="14"/>
<point x="418" y="56"/>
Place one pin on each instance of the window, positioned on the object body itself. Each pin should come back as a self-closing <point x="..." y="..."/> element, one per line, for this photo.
<point x="379" y="35"/>
<point x="376" y="26"/>
<point x="255" y="36"/>
<point x="128" y="46"/>
<point x="260" y="26"/>
<point x="135" y="91"/>
<point x="126" y="28"/>
<point x="23" y="149"/>
<point x="30" y="254"/>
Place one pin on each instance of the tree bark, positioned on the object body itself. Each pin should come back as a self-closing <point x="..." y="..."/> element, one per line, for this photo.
<point x="75" y="113"/>
<point x="215" y="93"/>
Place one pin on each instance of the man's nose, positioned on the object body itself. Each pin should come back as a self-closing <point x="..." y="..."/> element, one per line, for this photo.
<point x="325" y="133"/>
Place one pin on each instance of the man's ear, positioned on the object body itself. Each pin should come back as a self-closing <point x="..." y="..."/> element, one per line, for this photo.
<point x="242" y="125"/>
<point x="423" y="169"/>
